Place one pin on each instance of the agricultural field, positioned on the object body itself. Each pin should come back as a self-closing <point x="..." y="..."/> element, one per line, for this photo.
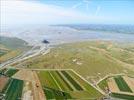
<point x="8" y="71"/>
<point x="120" y="86"/>
<point x="50" y="84"/>
<point x="122" y="96"/>
<point x="3" y="81"/>
<point x="103" y="85"/>
<point x="12" y="90"/>
<point x="66" y="84"/>
<point x="91" y="59"/>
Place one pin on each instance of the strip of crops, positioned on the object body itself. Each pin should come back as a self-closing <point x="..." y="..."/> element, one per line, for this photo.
<point x="60" y="81"/>
<point x="103" y="84"/>
<point x="46" y="80"/>
<point x="49" y="94"/>
<point x="64" y="81"/>
<point x="92" y="91"/>
<point x="56" y="94"/>
<point x="123" y="96"/>
<point x="122" y="84"/>
<point x="76" y="85"/>
<point x="14" y="91"/>
<point x="10" y="72"/>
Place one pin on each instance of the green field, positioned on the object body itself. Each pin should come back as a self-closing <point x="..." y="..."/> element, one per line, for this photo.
<point x="13" y="89"/>
<point x="123" y="96"/>
<point x="122" y="85"/>
<point x="56" y="94"/>
<point x="92" y="91"/>
<point x="65" y="84"/>
<point x="10" y="72"/>
<point x="72" y="81"/>
<point x="103" y="84"/>
<point x="91" y="59"/>
<point x="61" y="81"/>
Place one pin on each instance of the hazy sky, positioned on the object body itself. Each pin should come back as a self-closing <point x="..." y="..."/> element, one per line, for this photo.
<point x="20" y="12"/>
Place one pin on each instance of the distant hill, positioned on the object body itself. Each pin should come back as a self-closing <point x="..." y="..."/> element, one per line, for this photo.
<point x="129" y="29"/>
<point x="11" y="42"/>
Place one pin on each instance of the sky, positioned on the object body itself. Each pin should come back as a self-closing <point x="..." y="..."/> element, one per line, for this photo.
<point x="47" y="12"/>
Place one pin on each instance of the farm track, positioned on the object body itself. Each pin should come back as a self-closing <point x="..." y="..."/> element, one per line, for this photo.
<point x="67" y="81"/>
<point x="76" y="80"/>
<point x="55" y="81"/>
<point x="119" y="86"/>
<point x="30" y="75"/>
<point x="59" y="81"/>
<point x="88" y="86"/>
<point x="38" y="91"/>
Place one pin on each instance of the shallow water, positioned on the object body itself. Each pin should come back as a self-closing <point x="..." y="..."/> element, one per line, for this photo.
<point x="57" y="35"/>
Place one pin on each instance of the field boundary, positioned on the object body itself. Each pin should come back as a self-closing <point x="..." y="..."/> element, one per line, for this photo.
<point x="110" y="75"/>
<point x="55" y="81"/>
<point x="89" y="83"/>
<point x="71" y="85"/>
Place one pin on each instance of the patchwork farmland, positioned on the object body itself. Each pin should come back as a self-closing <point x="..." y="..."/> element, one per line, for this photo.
<point x="61" y="84"/>
<point x="66" y="84"/>
<point x="8" y="72"/>
<point x="13" y="89"/>
<point x="49" y="84"/>
<point x="120" y="86"/>
<point x="10" y="89"/>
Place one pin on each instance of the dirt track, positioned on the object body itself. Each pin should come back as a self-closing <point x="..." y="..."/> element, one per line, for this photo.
<point x="38" y="91"/>
<point x="31" y="76"/>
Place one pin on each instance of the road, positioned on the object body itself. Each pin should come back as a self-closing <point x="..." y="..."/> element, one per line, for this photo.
<point x="44" y="49"/>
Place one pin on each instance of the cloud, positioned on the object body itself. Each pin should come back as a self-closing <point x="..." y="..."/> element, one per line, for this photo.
<point x="76" y="5"/>
<point x="97" y="10"/>
<point x="26" y="12"/>
<point x="20" y="12"/>
<point x="82" y="3"/>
